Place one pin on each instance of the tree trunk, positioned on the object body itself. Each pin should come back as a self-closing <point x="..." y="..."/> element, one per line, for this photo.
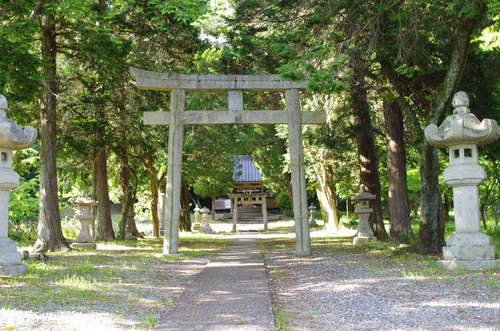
<point x="153" y="188"/>
<point x="185" y="219"/>
<point x="129" y="189"/>
<point x="328" y="203"/>
<point x="368" y="161"/>
<point x="104" y="223"/>
<point x="431" y="238"/>
<point x="50" y="236"/>
<point x="399" y="212"/>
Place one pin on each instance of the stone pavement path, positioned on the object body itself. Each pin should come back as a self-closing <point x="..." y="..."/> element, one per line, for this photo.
<point x="230" y="293"/>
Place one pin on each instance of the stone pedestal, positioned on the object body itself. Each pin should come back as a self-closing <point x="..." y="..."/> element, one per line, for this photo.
<point x="468" y="248"/>
<point x="11" y="138"/>
<point x="363" y="212"/>
<point x="83" y="210"/>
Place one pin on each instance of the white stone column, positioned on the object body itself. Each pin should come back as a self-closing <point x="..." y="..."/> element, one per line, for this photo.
<point x="297" y="166"/>
<point x="174" y="168"/>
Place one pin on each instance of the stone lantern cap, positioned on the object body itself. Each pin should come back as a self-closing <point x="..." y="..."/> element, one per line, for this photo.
<point x="205" y="210"/>
<point x="462" y="127"/>
<point x="85" y="200"/>
<point x="363" y="194"/>
<point x="11" y="135"/>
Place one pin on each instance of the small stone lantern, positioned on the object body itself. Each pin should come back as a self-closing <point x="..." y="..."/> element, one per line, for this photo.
<point x="83" y="209"/>
<point x="468" y="248"/>
<point x="130" y="221"/>
<point x="205" y="227"/>
<point x="363" y="212"/>
<point x="196" y="225"/>
<point x="11" y="138"/>
<point x="312" y="215"/>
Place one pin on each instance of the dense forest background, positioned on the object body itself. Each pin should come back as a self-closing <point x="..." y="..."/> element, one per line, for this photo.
<point x="383" y="70"/>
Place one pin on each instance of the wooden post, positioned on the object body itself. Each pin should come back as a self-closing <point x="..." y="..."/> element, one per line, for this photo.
<point x="235" y="212"/>
<point x="174" y="167"/>
<point x="297" y="166"/>
<point x="264" y="210"/>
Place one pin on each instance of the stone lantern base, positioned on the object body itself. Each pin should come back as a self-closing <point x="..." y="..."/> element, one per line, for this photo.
<point x="206" y="228"/>
<point x="469" y="251"/>
<point x="10" y="258"/>
<point x="363" y="239"/>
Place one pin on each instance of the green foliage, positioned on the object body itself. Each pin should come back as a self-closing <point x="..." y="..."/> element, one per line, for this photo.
<point x="186" y="11"/>
<point x="23" y="204"/>
<point x="23" y="211"/>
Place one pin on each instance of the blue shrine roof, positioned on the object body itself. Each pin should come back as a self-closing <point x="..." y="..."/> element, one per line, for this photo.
<point x="245" y="170"/>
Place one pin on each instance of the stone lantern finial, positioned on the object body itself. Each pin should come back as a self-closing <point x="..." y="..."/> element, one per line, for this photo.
<point x="3" y="105"/>
<point x="461" y="102"/>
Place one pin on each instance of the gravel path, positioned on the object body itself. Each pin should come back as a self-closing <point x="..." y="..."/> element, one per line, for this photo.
<point x="341" y="287"/>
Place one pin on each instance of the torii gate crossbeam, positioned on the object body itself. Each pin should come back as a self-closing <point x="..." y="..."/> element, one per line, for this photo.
<point x="178" y="84"/>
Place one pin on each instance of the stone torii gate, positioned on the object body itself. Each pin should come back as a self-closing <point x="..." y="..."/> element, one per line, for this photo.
<point x="178" y="84"/>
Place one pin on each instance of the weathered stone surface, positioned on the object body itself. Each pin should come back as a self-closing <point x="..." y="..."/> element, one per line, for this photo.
<point x="469" y="239"/>
<point x="468" y="248"/>
<point x="150" y="80"/>
<point x="462" y="127"/>
<point x="10" y="257"/>
<point x="12" y="270"/>
<point x="233" y="117"/>
<point x="468" y="265"/>
<point x="469" y="253"/>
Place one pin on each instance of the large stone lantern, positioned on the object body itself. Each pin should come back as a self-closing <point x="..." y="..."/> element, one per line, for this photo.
<point x="83" y="209"/>
<point x="468" y="248"/>
<point x="363" y="212"/>
<point x="11" y="138"/>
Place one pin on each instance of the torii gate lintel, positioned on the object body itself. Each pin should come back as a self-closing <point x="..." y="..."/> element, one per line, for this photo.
<point x="178" y="84"/>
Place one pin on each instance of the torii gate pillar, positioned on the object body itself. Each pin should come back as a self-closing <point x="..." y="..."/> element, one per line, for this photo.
<point x="174" y="169"/>
<point x="234" y="84"/>
<point x="297" y="166"/>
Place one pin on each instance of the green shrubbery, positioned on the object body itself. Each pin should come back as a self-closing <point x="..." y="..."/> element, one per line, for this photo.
<point x="23" y="212"/>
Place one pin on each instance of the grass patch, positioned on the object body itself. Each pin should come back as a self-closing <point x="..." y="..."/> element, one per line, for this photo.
<point x="122" y="278"/>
